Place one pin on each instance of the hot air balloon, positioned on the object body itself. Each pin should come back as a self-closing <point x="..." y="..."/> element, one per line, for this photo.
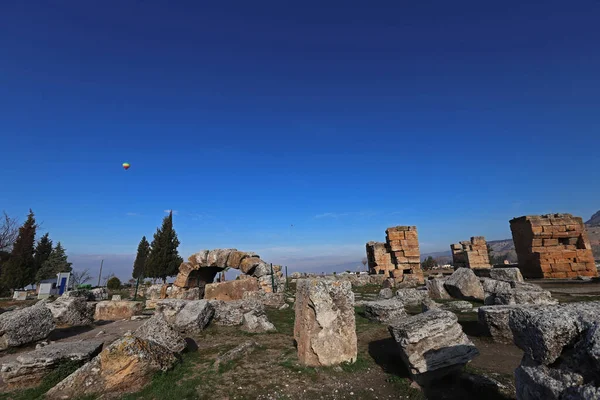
<point x="126" y="165"/>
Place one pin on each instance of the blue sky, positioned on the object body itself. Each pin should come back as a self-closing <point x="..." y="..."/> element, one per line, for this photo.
<point x="341" y="118"/>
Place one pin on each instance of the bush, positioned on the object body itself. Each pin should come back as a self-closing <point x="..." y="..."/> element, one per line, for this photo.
<point x="113" y="283"/>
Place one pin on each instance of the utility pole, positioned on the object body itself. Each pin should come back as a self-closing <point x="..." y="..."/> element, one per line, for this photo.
<point x="100" y="274"/>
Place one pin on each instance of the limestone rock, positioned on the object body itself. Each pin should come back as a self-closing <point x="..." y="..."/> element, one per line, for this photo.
<point x="437" y="290"/>
<point x="83" y="293"/>
<point x="542" y="383"/>
<point x="98" y="294"/>
<point x="25" y="325"/>
<point x="186" y="316"/>
<point x="72" y="311"/>
<point x="158" y="330"/>
<point x="231" y="313"/>
<point x="262" y="269"/>
<point x="491" y="287"/>
<point x="325" y="327"/>
<point x="117" y="310"/>
<point x="235" y="259"/>
<point x="256" y="323"/>
<point x="464" y="284"/>
<point x="125" y="366"/>
<point x="385" y="294"/>
<point x="524" y="296"/>
<point x="385" y="311"/>
<point x="429" y="304"/>
<point x="116" y="297"/>
<point x="230" y="290"/>
<point x="30" y="368"/>
<point x="458" y="306"/>
<point x="433" y="345"/>
<point x="177" y="292"/>
<point x="411" y="296"/>
<point x="249" y="264"/>
<point x="506" y="274"/>
<point x="268" y="299"/>
<point x="587" y="392"/>
<point x="495" y="320"/>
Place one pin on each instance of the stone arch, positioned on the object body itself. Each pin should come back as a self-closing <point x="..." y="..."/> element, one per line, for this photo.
<point x="201" y="268"/>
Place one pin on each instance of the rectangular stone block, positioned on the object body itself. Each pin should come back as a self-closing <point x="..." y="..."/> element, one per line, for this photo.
<point x="325" y="327"/>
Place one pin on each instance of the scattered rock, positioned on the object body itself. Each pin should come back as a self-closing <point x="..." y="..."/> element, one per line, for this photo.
<point x="325" y="327"/>
<point x="458" y="306"/>
<point x="100" y="333"/>
<point x="236" y="353"/>
<point x="116" y="297"/>
<point x="30" y="368"/>
<point x="583" y="278"/>
<point x="437" y="290"/>
<point x="411" y="296"/>
<point x="230" y="290"/>
<point x="464" y="284"/>
<point x="385" y="294"/>
<point x="491" y="287"/>
<point x="83" y="293"/>
<point x="231" y="313"/>
<point x="495" y="320"/>
<point x="25" y="325"/>
<point x="158" y="330"/>
<point x="267" y="299"/>
<point x="188" y="316"/>
<point x="256" y="323"/>
<point x="385" y="311"/>
<point x="98" y="294"/>
<point x="284" y="307"/>
<point x="116" y="310"/>
<point x="542" y="383"/>
<point x="506" y="274"/>
<point x="433" y="345"/>
<point x="429" y="304"/>
<point x="125" y="366"/>
<point x="524" y="296"/>
<point x="72" y="311"/>
<point x="140" y="317"/>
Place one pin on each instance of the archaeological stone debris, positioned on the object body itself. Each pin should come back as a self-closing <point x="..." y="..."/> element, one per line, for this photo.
<point x="115" y="310"/>
<point x="398" y="257"/>
<point x="471" y="254"/>
<point x="325" y="327"/>
<point x="26" y="325"/>
<point x="553" y="246"/>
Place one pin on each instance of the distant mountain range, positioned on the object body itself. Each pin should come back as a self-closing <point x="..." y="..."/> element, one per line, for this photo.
<point x="506" y="247"/>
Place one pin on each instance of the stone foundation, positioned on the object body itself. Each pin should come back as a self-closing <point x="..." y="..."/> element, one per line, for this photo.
<point x="471" y="254"/>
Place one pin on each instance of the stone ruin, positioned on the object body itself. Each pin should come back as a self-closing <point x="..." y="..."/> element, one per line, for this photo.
<point x="399" y="256"/>
<point x="202" y="267"/>
<point x="471" y="254"/>
<point x="552" y="246"/>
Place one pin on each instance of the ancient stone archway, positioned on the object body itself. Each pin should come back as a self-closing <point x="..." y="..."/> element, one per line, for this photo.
<point x="202" y="267"/>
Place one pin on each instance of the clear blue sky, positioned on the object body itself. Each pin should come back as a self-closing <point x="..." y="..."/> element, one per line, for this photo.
<point x="339" y="117"/>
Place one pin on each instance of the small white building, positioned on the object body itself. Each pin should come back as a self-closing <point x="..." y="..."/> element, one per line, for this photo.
<point x="55" y="287"/>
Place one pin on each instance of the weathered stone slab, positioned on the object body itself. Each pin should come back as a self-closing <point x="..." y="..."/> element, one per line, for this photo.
<point x="158" y="330"/>
<point x="524" y="296"/>
<point x="125" y="366"/>
<point x="98" y="294"/>
<point x="385" y="294"/>
<point x="72" y="311"/>
<point x="236" y="353"/>
<point x="433" y="345"/>
<point x="385" y="311"/>
<point x="230" y="290"/>
<point x="25" y="325"/>
<point x="464" y="284"/>
<point x="495" y="320"/>
<point x="30" y="368"/>
<point x="491" y="287"/>
<point x="116" y="310"/>
<point x="325" y="327"/>
<point x="268" y="299"/>
<point x="231" y="313"/>
<point x="436" y="289"/>
<point x="542" y="383"/>
<point x="411" y="296"/>
<point x="506" y="274"/>
<point x="186" y="316"/>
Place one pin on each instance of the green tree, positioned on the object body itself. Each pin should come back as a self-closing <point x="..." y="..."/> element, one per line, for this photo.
<point x="139" y="265"/>
<point x="164" y="260"/>
<point x="17" y="271"/>
<point x="428" y="263"/>
<point x="113" y="283"/>
<point x="56" y="262"/>
<point x="42" y="253"/>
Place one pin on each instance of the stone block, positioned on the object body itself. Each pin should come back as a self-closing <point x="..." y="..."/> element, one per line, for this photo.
<point x="230" y="290"/>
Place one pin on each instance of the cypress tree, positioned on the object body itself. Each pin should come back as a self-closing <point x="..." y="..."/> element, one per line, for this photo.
<point x="139" y="266"/>
<point x="17" y="271"/>
<point x="42" y="253"/>
<point x="164" y="260"/>
<point x="57" y="262"/>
